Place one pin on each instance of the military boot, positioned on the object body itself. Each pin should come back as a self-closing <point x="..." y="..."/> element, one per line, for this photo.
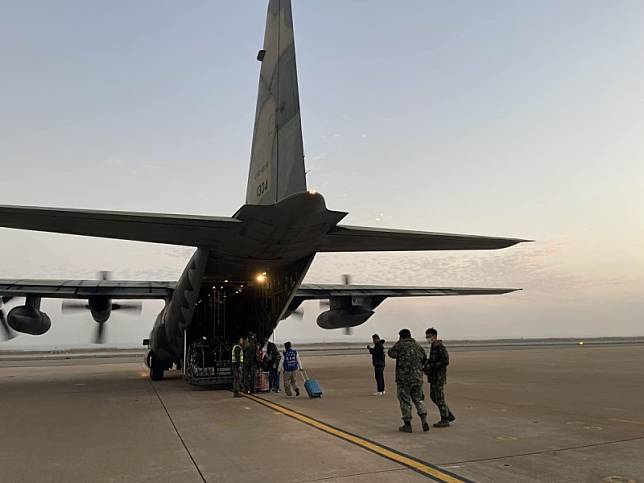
<point x="443" y="423"/>
<point x="451" y="417"/>
<point x="405" y="428"/>
<point x="423" y="420"/>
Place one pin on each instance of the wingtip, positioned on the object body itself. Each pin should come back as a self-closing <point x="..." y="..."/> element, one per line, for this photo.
<point x="515" y="241"/>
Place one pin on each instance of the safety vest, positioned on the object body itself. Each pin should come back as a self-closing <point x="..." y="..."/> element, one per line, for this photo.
<point x="241" y="354"/>
<point x="290" y="360"/>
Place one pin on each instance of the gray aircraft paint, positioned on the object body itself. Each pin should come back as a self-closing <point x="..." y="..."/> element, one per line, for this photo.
<point x="277" y="155"/>
<point x="178" y="312"/>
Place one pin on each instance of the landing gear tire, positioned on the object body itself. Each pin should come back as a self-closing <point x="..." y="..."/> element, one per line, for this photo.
<point x="156" y="369"/>
<point x="156" y="373"/>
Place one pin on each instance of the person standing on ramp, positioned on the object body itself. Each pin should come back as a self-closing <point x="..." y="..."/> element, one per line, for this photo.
<point x="238" y="361"/>
<point x="291" y="365"/>
<point x="250" y="363"/>
<point x="410" y="360"/>
<point x="436" y="370"/>
<point x="272" y="363"/>
<point x="378" y="360"/>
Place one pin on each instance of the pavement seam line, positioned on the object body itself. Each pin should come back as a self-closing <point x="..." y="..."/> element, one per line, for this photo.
<point x="554" y="450"/>
<point x="341" y="477"/>
<point x="422" y="467"/>
<point x="629" y="421"/>
<point x="185" y="446"/>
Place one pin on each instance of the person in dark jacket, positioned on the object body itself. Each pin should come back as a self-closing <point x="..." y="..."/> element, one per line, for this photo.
<point x="436" y="370"/>
<point x="378" y="361"/>
<point x="250" y="363"/>
<point x="237" y="363"/>
<point x="272" y="364"/>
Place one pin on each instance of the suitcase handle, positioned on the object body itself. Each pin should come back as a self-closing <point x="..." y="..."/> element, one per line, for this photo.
<point x="304" y="375"/>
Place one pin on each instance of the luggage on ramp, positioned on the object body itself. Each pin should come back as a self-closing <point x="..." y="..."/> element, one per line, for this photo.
<point x="261" y="381"/>
<point x="312" y="386"/>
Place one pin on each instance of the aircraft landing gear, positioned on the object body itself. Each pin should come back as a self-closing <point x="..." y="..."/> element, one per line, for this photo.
<point x="156" y="368"/>
<point x="156" y="373"/>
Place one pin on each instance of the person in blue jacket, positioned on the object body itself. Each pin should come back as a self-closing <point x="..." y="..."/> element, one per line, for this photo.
<point x="291" y="365"/>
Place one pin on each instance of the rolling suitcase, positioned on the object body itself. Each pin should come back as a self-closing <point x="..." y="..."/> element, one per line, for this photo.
<point x="261" y="381"/>
<point x="312" y="386"/>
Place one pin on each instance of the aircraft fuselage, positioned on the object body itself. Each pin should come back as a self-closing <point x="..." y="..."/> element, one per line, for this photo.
<point x="227" y="294"/>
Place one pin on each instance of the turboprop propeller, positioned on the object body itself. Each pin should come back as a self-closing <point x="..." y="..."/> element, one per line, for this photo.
<point x="101" y="309"/>
<point x="326" y="304"/>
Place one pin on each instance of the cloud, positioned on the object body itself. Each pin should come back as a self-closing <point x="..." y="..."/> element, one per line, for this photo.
<point x="538" y="268"/>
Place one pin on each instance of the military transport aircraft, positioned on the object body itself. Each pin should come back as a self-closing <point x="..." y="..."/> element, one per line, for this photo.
<point x="246" y="273"/>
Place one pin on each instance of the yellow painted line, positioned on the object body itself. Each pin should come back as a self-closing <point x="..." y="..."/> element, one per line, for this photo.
<point x="421" y="467"/>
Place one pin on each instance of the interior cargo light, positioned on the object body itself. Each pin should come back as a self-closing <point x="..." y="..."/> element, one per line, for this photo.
<point x="261" y="277"/>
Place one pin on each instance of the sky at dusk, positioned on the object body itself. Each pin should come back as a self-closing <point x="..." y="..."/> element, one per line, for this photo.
<point x="503" y="118"/>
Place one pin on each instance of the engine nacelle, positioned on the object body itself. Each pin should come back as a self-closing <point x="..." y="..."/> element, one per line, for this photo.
<point x="344" y="317"/>
<point x="28" y="320"/>
<point x="100" y="308"/>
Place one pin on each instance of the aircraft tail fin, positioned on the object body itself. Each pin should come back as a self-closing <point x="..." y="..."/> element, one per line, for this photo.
<point x="277" y="156"/>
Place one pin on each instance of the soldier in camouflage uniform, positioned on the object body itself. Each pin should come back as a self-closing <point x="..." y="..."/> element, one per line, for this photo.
<point x="410" y="360"/>
<point x="436" y="370"/>
<point x="250" y="363"/>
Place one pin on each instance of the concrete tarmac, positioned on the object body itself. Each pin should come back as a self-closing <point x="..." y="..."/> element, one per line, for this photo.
<point x="536" y="414"/>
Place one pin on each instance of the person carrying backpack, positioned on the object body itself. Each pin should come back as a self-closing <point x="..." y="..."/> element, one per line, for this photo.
<point x="272" y="365"/>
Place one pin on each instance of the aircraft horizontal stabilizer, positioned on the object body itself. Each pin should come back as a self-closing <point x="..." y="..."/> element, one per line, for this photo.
<point x="188" y="230"/>
<point x="365" y="239"/>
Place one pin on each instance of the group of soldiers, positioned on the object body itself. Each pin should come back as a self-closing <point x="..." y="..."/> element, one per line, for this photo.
<point x="247" y="359"/>
<point x="412" y="363"/>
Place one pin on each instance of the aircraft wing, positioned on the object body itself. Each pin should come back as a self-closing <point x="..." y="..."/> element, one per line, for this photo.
<point x="83" y="289"/>
<point x="365" y="239"/>
<point x="188" y="230"/>
<point x="312" y="292"/>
